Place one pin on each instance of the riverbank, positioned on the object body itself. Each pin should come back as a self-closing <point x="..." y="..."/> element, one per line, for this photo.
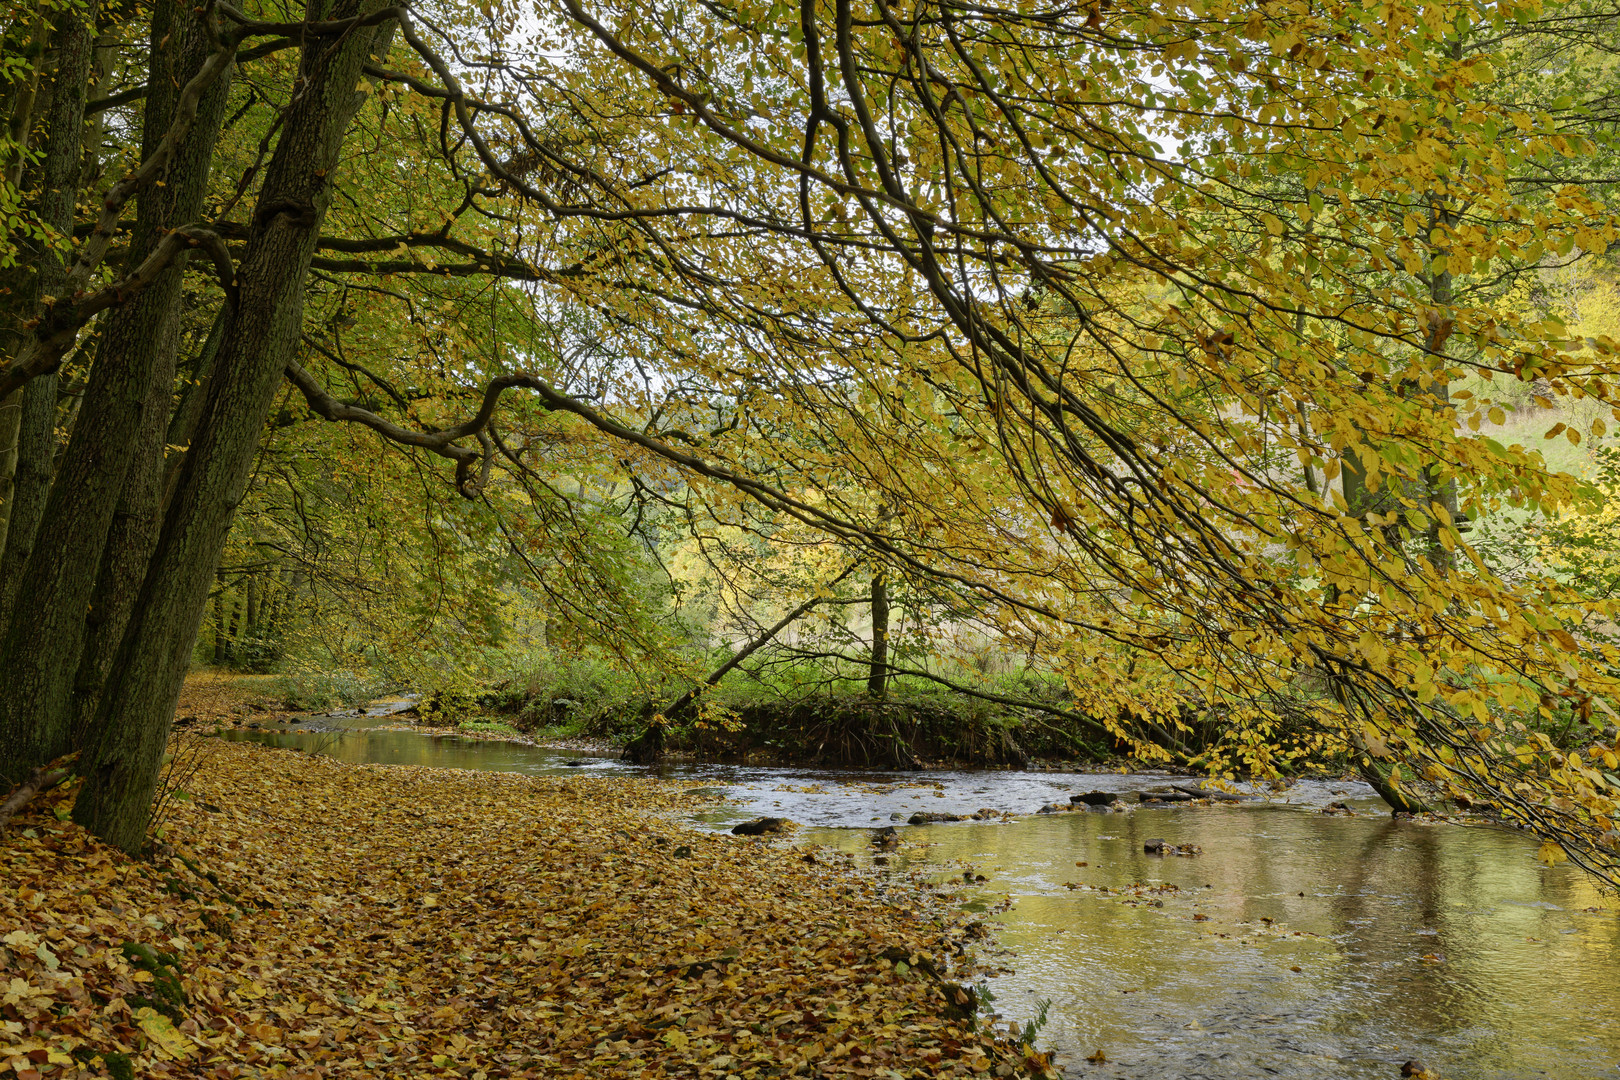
<point x="821" y="731"/>
<point x="219" y="699"/>
<point x="335" y="920"/>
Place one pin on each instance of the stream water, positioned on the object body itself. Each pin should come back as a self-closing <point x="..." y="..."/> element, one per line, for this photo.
<point x="1299" y="944"/>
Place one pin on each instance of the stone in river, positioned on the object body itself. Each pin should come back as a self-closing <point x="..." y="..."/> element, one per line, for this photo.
<point x="761" y="826"/>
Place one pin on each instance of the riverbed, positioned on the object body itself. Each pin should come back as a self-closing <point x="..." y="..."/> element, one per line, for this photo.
<point x="1299" y="944"/>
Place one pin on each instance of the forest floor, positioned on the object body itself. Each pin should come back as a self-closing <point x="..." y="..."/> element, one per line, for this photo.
<point x="304" y="918"/>
<point x="211" y="699"/>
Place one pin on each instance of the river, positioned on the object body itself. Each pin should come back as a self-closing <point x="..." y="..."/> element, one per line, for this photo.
<point x="1299" y="944"/>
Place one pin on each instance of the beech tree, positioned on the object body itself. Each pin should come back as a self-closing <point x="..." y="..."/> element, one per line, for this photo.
<point x="1100" y="314"/>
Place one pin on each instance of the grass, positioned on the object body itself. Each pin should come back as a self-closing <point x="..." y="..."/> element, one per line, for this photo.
<point x="489" y="727"/>
<point x="315" y="691"/>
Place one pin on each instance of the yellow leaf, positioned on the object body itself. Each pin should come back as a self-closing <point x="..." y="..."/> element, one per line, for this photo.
<point x="169" y="1042"/>
<point x="1550" y="853"/>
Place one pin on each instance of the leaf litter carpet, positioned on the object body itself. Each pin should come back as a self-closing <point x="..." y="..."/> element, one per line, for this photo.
<point x="307" y="918"/>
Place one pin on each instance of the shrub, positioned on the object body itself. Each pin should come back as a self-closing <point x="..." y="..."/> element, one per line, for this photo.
<point x="313" y="692"/>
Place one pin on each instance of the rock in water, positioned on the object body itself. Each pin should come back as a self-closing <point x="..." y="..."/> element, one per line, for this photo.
<point x="761" y="826"/>
<point x="924" y="818"/>
<point x="1154" y="847"/>
<point x="1095" y="798"/>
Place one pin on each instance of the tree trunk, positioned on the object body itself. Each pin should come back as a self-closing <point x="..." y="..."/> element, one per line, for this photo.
<point x="877" y="679"/>
<point x="648" y="747"/>
<point x="10" y="432"/>
<point x="233" y="628"/>
<point x="31" y="486"/>
<point x="131" y="727"/>
<point x="130" y="540"/>
<point x="219" y="621"/>
<point x="1378" y="777"/>
<point x="183" y="423"/>
<point x="252" y="623"/>
<point x="275" y="602"/>
<point x="124" y="412"/>
<point x="26" y="741"/>
<point x="28" y="473"/>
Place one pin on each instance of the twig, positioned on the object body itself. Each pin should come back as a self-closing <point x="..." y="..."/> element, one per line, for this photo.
<point x="40" y="780"/>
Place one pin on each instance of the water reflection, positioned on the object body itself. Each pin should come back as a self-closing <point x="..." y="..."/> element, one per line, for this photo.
<point x="1299" y="945"/>
<point x="1327" y="947"/>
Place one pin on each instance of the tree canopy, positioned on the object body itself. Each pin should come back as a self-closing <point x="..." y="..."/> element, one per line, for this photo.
<point x="1170" y="342"/>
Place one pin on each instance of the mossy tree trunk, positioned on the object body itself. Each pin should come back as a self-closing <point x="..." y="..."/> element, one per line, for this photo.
<point x="28" y="735"/>
<point x="131" y="726"/>
<point x="68" y="590"/>
<point x="877" y="679"/>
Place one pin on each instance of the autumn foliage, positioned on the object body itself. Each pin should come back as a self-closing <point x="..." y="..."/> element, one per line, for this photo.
<point x="1166" y="343"/>
<point x="328" y="920"/>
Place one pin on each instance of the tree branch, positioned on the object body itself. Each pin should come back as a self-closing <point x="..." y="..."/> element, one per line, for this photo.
<point x="686" y="700"/>
<point x="62" y="317"/>
<point x="40" y="780"/>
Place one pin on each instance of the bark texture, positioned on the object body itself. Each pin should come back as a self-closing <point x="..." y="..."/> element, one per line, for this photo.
<point x="877" y="679"/>
<point x="123" y="413"/>
<point x="31" y="484"/>
<point x="133" y="530"/>
<point x="131" y="727"/>
<point x="26" y="743"/>
<point x="10" y="432"/>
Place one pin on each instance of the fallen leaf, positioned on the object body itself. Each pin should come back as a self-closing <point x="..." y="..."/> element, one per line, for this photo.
<point x="170" y="1043"/>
